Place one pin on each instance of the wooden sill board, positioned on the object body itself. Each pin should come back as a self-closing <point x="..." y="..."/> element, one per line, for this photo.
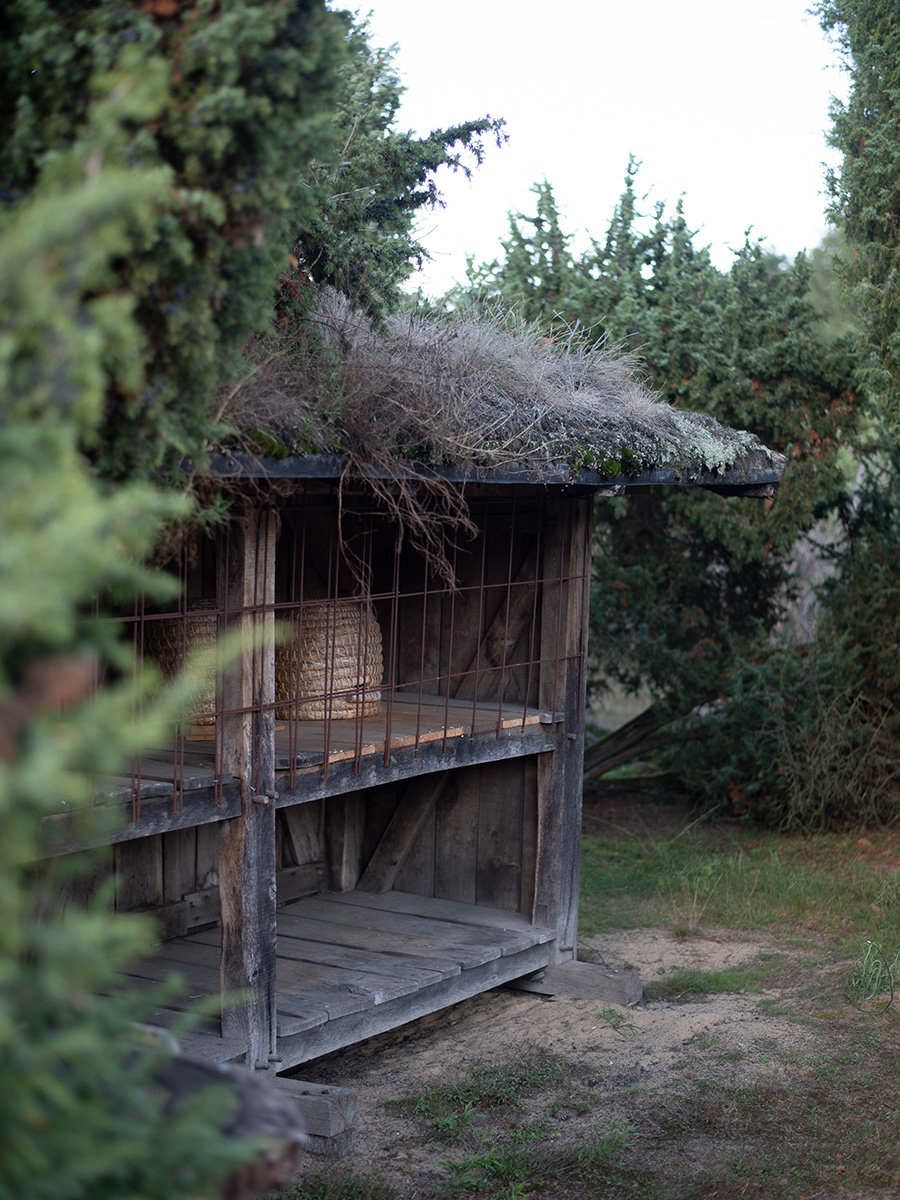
<point x="302" y="743"/>
<point x="413" y="722"/>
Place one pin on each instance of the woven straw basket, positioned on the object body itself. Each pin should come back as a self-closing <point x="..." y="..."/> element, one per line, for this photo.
<point x="169" y="640"/>
<point x="333" y="667"/>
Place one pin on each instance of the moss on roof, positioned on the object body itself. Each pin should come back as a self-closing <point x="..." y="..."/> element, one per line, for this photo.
<point x="469" y="390"/>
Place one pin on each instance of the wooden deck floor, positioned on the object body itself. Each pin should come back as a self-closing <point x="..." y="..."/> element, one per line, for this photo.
<point x="407" y="721"/>
<point x="354" y="964"/>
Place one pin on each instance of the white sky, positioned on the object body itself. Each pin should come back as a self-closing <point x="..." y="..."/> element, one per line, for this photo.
<point x="724" y="103"/>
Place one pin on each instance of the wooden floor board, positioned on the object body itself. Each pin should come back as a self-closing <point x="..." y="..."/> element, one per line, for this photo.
<point x="353" y="964"/>
<point x="331" y="934"/>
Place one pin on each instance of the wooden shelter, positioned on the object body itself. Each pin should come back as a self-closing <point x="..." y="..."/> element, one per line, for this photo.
<point x="373" y="810"/>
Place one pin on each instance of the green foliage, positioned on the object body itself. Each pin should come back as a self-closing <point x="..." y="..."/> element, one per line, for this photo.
<point x="81" y="1115"/>
<point x="684" y="581"/>
<point x="220" y="107"/>
<point x="864" y="190"/>
<point x="369" y="196"/>
<point x="826" y="294"/>
<point x="874" y="976"/>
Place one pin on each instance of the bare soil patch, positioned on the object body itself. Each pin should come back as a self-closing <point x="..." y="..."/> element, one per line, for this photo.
<point x="744" y="1072"/>
<point x="656" y="1056"/>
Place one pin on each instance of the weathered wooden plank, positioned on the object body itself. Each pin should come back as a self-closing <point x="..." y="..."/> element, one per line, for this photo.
<point x="184" y="775"/>
<point x="529" y="834"/>
<point x="468" y="946"/>
<point x="563" y="637"/>
<point x="501" y="638"/>
<point x="293" y="882"/>
<point x="449" y="911"/>
<point x="120" y="788"/>
<point x="67" y="833"/>
<point x="343" y="777"/>
<point x="416" y="872"/>
<point x="303" y="833"/>
<point x="179" y="862"/>
<point x="489" y="938"/>
<point x="332" y="934"/>
<point x="245" y="594"/>
<point x="585" y="981"/>
<point x="138" y="867"/>
<point x="355" y="960"/>
<point x="180" y="917"/>
<point x="192" y="951"/>
<point x="366" y="1023"/>
<point x="298" y="1021"/>
<point x="323" y="988"/>
<point x="416" y="805"/>
<point x="418" y="658"/>
<point x="328" y="1114"/>
<point x="499" y="854"/>
<point x="208" y="856"/>
<point x="199" y="979"/>
<point x="456" y="839"/>
<point x="344" y="818"/>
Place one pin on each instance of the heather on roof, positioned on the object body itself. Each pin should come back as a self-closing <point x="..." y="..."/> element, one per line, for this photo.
<point x="471" y="389"/>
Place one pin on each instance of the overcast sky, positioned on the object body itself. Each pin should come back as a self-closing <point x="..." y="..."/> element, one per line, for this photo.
<point x="724" y="103"/>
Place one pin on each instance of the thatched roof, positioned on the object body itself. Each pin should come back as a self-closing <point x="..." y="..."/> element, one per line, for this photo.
<point x="471" y="396"/>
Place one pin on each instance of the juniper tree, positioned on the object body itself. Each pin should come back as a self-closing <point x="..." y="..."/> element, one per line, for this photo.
<point x="683" y="582"/>
<point x="865" y="189"/>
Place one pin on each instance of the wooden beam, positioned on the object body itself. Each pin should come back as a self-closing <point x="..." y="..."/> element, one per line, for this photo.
<point x="416" y="805"/>
<point x="563" y="640"/>
<point x="504" y="633"/>
<point x="328" y="1114"/>
<point x="584" y="981"/>
<point x="247" y="890"/>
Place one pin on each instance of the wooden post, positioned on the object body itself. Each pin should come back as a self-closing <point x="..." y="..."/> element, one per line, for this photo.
<point x="246" y="593"/>
<point x="563" y="637"/>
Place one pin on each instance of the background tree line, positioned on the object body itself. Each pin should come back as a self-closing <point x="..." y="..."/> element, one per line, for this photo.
<point x="693" y="595"/>
<point x="176" y="175"/>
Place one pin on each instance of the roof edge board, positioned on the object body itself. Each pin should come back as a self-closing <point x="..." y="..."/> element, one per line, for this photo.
<point x="745" y="476"/>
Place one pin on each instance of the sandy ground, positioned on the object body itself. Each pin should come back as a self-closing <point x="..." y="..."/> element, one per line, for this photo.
<point x="649" y="1052"/>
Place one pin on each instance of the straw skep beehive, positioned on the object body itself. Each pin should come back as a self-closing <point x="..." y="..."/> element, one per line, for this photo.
<point x="169" y="640"/>
<point x="333" y="665"/>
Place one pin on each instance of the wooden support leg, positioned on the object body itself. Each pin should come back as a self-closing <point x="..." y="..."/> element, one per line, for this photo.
<point x="247" y="890"/>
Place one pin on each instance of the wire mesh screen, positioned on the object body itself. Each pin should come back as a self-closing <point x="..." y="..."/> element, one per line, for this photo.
<point x="352" y="647"/>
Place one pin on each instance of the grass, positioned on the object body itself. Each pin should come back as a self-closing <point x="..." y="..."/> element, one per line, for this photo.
<point x="810" y="1109"/>
<point x="695" y="982"/>
<point x="452" y="1110"/>
<point x="741" y="879"/>
<point x="339" y="1183"/>
<point x="874" y="978"/>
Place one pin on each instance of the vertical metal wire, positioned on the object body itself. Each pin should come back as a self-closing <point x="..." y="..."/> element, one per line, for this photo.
<point x="481" y="598"/>
<point x="394" y="665"/>
<point x="506" y="604"/>
<point x="451" y="591"/>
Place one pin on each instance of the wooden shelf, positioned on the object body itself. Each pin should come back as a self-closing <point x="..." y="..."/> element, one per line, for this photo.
<point x="407" y="721"/>
<point x="352" y="964"/>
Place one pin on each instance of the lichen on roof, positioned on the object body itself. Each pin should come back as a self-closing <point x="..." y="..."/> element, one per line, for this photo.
<point x="471" y="389"/>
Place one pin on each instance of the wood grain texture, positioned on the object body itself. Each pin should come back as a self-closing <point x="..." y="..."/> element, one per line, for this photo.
<point x="247" y="888"/>
<point x="499" y="855"/>
<point x="563" y="638"/>
<point x="139" y="873"/>
<point x="415" y="808"/>
<point x="456" y="838"/>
